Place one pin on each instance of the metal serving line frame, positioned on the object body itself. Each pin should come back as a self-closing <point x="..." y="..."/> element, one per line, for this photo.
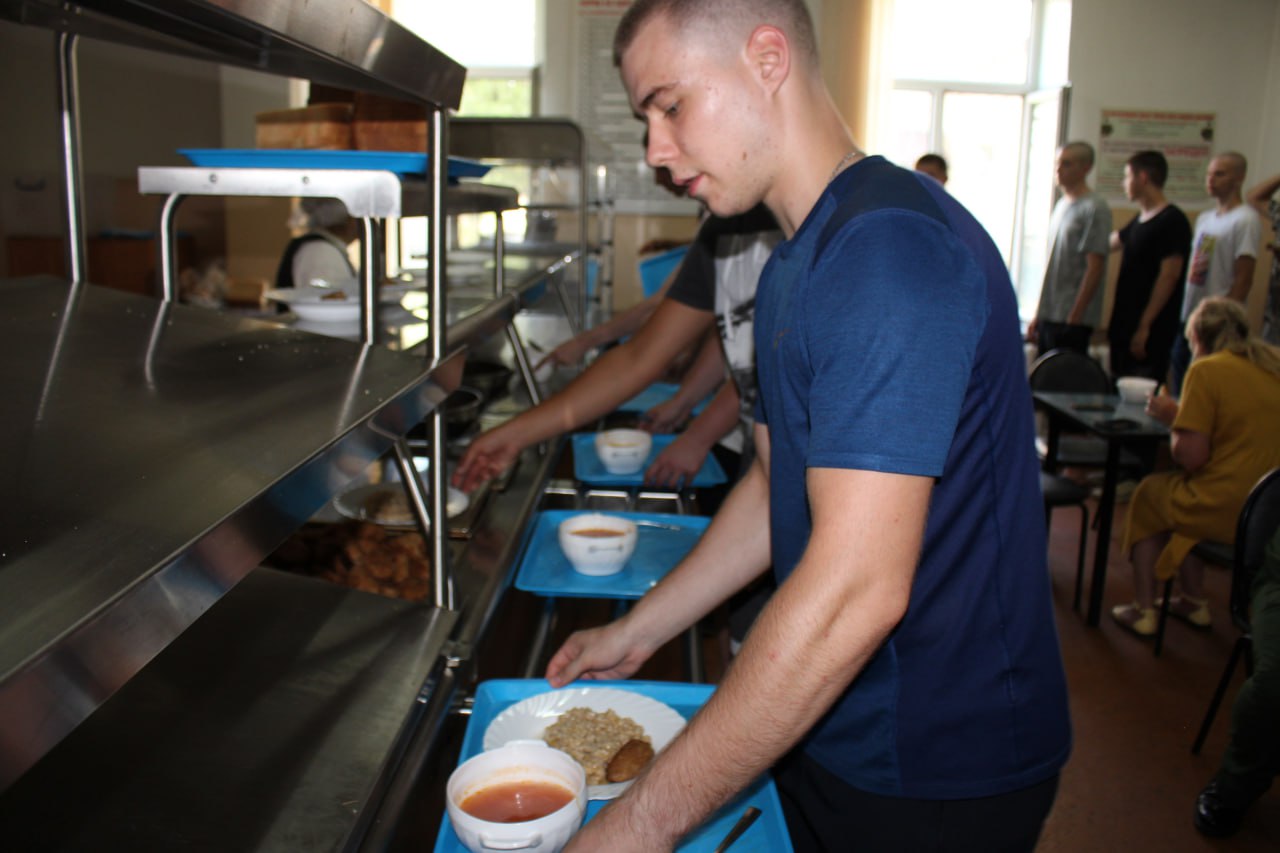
<point x="130" y="551"/>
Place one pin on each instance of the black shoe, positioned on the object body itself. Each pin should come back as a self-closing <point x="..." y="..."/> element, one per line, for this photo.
<point x="1216" y="816"/>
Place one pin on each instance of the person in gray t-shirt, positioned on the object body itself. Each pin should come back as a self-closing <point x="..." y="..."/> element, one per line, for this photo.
<point x="1071" y="300"/>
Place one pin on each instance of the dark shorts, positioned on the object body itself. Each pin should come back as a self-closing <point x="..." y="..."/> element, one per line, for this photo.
<point x="825" y="814"/>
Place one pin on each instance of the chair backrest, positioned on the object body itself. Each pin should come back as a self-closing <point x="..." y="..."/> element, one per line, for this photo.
<point x="1258" y="521"/>
<point x="1068" y="370"/>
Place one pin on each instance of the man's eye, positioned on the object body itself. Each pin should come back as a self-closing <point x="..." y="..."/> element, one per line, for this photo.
<point x="672" y="110"/>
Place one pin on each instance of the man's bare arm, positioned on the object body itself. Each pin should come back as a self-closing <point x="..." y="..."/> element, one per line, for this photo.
<point x="834" y="612"/>
<point x="1166" y="282"/>
<point x="613" y="378"/>
<point x="1260" y="195"/>
<point x="1242" y="278"/>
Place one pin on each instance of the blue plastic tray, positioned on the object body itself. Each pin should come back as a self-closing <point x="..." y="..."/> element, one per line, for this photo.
<point x="658" y="392"/>
<point x="545" y="570"/>
<point x="588" y="468"/>
<point x="767" y="835"/>
<point x="400" y="162"/>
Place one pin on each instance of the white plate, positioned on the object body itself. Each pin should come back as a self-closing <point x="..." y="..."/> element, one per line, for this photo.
<point x="354" y="504"/>
<point x="309" y="304"/>
<point x="529" y="718"/>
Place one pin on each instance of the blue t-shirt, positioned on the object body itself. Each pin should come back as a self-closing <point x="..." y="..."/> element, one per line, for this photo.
<point x="887" y="340"/>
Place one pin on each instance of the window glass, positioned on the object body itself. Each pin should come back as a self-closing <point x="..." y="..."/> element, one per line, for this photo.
<point x="467" y="31"/>
<point x="981" y="135"/>
<point x="910" y="126"/>
<point x="976" y="41"/>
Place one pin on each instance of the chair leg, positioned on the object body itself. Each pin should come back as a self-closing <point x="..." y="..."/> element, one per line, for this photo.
<point x="1242" y="647"/>
<point x="1084" y="541"/>
<point x="1164" y="616"/>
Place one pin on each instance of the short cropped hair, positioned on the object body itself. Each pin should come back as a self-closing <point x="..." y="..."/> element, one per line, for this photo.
<point x="1081" y="148"/>
<point x="1237" y="160"/>
<point x="791" y="16"/>
<point x="936" y="160"/>
<point x="1152" y="164"/>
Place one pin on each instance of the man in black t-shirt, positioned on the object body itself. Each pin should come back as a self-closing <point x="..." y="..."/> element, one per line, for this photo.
<point x="1156" y="243"/>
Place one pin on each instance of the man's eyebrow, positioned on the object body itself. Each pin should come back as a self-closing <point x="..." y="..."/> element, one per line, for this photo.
<point x="653" y="93"/>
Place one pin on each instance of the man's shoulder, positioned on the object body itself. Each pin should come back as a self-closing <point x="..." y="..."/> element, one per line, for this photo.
<point x="1095" y="200"/>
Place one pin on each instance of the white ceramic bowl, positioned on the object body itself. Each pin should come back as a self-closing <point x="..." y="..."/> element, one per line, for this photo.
<point x="1135" y="389"/>
<point x="623" y="451"/>
<point x="517" y="761"/>
<point x="602" y="551"/>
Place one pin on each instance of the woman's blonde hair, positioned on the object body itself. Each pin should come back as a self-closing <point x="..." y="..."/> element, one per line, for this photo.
<point x="1220" y="324"/>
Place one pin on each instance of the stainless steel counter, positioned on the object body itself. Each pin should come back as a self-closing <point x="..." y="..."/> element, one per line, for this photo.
<point x="273" y="723"/>
<point x="344" y="43"/>
<point x="153" y="455"/>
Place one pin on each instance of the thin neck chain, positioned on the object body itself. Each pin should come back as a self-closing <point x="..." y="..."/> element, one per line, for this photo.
<point x="844" y="161"/>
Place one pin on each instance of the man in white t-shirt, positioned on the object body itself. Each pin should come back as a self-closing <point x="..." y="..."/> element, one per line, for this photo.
<point x="1224" y="251"/>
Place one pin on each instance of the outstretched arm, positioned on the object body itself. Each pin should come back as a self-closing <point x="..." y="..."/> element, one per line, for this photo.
<point x="702" y="377"/>
<point x="614" y="377"/>
<point x="820" y="629"/>
<point x="575" y="349"/>
<point x="683" y="458"/>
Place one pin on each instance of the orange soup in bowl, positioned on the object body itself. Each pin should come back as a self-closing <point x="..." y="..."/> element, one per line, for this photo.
<point x="517" y="801"/>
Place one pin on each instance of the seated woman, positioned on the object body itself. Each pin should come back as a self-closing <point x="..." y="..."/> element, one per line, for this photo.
<point x="1224" y="437"/>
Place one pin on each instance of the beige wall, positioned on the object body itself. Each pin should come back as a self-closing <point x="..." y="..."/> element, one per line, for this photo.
<point x="632" y="232"/>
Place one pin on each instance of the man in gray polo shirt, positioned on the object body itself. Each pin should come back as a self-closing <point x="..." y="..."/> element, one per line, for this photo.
<point x="1070" y="300"/>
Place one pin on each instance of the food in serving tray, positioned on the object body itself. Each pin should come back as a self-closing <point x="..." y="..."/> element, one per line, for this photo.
<point x="360" y="555"/>
<point x="389" y="507"/>
<point x="335" y="296"/>
<point x="627" y="763"/>
<point x="595" y="739"/>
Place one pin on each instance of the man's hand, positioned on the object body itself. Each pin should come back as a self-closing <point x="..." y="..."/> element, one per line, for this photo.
<point x="490" y="454"/>
<point x="1032" y="329"/>
<point x="665" y="417"/>
<point x="677" y="464"/>
<point x="608" y="652"/>
<point x="1138" y="343"/>
<point x="570" y="352"/>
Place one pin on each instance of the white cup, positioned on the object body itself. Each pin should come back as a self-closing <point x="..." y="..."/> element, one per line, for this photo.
<point x="518" y="761"/>
<point x="1136" y="389"/>
<point x="604" y="550"/>
<point x="623" y="451"/>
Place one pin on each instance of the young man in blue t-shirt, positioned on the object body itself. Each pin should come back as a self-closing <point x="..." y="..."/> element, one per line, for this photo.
<point x="905" y="679"/>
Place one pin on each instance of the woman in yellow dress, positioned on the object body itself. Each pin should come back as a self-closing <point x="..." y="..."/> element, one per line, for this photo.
<point x="1225" y="436"/>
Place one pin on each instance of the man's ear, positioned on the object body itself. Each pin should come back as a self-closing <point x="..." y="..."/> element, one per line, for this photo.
<point x="769" y="55"/>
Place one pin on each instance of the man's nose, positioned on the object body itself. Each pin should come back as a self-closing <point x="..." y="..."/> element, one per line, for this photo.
<point x="659" y="150"/>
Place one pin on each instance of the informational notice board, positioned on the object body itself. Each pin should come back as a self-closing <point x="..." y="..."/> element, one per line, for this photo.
<point x="1185" y="139"/>
<point x="616" y="135"/>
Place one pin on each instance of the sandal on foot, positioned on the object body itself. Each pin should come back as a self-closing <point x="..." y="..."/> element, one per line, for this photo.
<point x="1193" y="611"/>
<point x="1140" y="620"/>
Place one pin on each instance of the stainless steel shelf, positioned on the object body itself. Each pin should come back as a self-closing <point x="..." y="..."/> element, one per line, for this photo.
<point x="268" y="725"/>
<point x="154" y="454"/>
<point x="365" y="192"/>
<point x="346" y="43"/>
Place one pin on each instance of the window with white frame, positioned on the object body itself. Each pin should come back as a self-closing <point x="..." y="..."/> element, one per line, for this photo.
<point x="964" y="82"/>
<point x="501" y="63"/>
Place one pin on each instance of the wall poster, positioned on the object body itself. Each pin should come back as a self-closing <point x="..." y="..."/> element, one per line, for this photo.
<point x="1185" y="139"/>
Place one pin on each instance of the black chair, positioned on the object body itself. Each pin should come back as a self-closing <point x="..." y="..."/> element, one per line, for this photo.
<point x="1060" y="491"/>
<point x="1073" y="372"/>
<point x="1259" y="519"/>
